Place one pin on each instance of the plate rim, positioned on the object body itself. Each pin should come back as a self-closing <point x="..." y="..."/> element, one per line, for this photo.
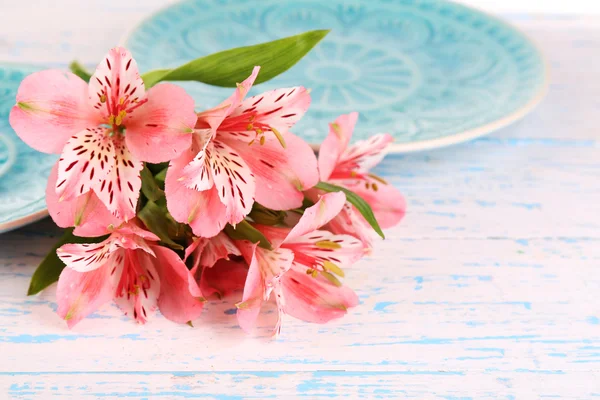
<point x="449" y="140"/>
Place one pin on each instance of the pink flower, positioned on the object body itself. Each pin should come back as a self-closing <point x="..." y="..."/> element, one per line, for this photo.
<point x="213" y="266"/>
<point x="238" y="157"/>
<point x="131" y="269"/>
<point x="299" y="268"/>
<point x="104" y="130"/>
<point x="348" y="166"/>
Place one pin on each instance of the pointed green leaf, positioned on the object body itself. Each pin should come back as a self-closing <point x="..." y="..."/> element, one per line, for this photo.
<point x="245" y="231"/>
<point x="229" y="67"/>
<point x="361" y="205"/>
<point x="161" y="176"/>
<point x="51" y="266"/>
<point x="80" y="71"/>
<point x="155" y="218"/>
<point x="150" y="188"/>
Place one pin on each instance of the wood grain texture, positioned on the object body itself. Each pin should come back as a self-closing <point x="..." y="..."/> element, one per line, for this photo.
<point x="488" y="290"/>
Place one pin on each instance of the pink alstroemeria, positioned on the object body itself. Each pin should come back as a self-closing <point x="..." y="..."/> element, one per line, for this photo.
<point x="104" y="131"/>
<point x="130" y="268"/>
<point x="242" y="152"/>
<point x="297" y="267"/>
<point x="215" y="265"/>
<point x="348" y="166"/>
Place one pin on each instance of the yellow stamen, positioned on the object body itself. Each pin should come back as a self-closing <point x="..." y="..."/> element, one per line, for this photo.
<point x="328" y="244"/>
<point x="375" y="187"/>
<point x="329" y="266"/>
<point x="262" y="140"/>
<point x="103" y="98"/>
<point x="111" y="120"/>
<point x="331" y="278"/>
<point x="279" y="137"/>
<point x="314" y="273"/>
<point x="378" y="179"/>
<point x="250" y="127"/>
<point x="119" y="119"/>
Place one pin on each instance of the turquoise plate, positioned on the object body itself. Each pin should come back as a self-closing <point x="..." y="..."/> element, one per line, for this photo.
<point x="431" y="73"/>
<point x="23" y="171"/>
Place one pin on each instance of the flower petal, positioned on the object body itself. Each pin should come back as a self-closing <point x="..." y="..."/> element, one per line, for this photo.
<point x="277" y="109"/>
<point x="334" y="145"/>
<point x="224" y="278"/>
<point x="85" y="257"/>
<point x="203" y="211"/>
<point x="138" y="288"/>
<point x="233" y="180"/>
<point x="180" y="299"/>
<point x="350" y="222"/>
<point x="364" y="154"/>
<point x="197" y="175"/>
<point x="266" y="268"/>
<point x="388" y="204"/>
<point x="80" y="293"/>
<point x="85" y="162"/>
<point x="217" y="248"/>
<point x="86" y="213"/>
<point x="214" y="117"/>
<point x="316" y="247"/>
<point x="281" y="173"/>
<point x="314" y="217"/>
<point x="161" y="129"/>
<point x="115" y="81"/>
<point x="315" y="299"/>
<point x="52" y="106"/>
<point x="120" y="189"/>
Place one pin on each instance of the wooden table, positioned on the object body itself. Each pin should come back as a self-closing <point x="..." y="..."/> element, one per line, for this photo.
<point x="489" y="289"/>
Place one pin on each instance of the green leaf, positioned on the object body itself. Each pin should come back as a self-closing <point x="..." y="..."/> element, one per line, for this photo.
<point x="80" y="71"/>
<point x="228" y="68"/>
<point x="155" y="218"/>
<point x="361" y="205"/>
<point x="161" y="176"/>
<point x="51" y="266"/>
<point x="150" y="188"/>
<point x="245" y="231"/>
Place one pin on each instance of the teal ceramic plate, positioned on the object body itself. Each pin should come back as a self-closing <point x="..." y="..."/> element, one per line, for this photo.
<point x="23" y="171"/>
<point x="431" y="73"/>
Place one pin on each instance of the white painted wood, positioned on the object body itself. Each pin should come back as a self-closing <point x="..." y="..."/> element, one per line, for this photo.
<point x="488" y="289"/>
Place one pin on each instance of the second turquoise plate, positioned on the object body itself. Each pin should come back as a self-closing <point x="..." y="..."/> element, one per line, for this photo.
<point x="431" y="73"/>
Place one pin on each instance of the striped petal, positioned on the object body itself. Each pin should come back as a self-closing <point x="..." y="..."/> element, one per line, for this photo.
<point x="86" y="213"/>
<point x="85" y="257"/>
<point x="197" y="175"/>
<point x="282" y="174"/>
<point x="116" y="81"/>
<point x="138" y="286"/>
<point x="233" y="180"/>
<point x="364" y="154"/>
<point x="86" y="161"/>
<point x="120" y="189"/>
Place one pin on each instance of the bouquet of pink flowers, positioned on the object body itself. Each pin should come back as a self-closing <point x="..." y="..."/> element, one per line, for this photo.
<point x="168" y="207"/>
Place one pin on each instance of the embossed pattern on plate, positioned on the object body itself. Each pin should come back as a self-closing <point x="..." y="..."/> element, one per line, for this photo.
<point x="431" y="73"/>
